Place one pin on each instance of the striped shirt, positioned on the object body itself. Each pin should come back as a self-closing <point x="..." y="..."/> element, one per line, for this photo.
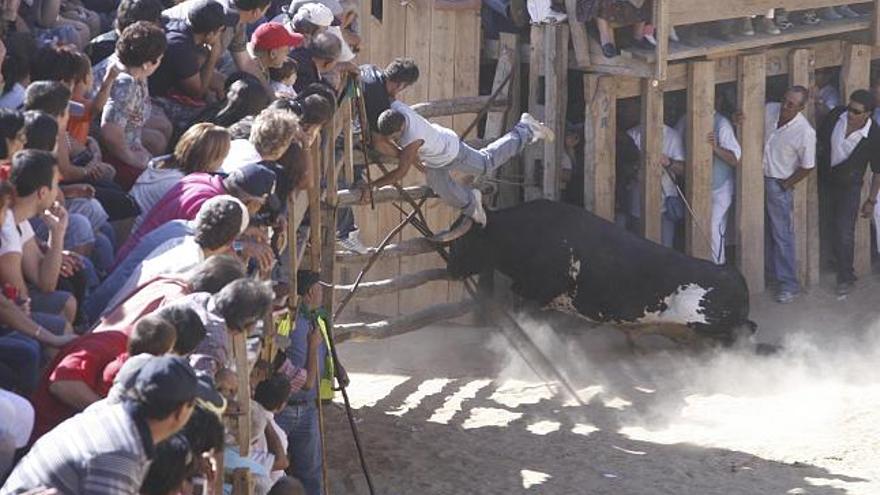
<point x="103" y="452"/>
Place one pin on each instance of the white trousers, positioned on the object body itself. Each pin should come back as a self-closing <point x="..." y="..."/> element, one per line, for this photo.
<point x="721" y="201"/>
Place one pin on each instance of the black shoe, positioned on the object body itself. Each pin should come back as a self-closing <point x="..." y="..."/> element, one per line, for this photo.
<point x="643" y="44"/>
<point x="609" y="50"/>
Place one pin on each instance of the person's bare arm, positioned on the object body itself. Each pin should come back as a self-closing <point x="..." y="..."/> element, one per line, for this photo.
<point x="407" y="157"/>
<point x="97" y="103"/>
<point x="245" y="63"/>
<point x="113" y="137"/>
<point x="199" y="84"/>
<point x="725" y="154"/>
<point x="43" y="269"/>
<point x="273" y="444"/>
<point x="871" y="200"/>
<point x="796" y="177"/>
<point x="385" y="146"/>
<point x="12" y="316"/>
<point x="315" y="339"/>
<point x="74" y="393"/>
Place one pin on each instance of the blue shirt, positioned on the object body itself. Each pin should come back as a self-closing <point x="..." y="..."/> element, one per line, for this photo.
<point x="297" y="353"/>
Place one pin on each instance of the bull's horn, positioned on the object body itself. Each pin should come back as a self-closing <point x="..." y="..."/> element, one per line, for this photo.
<point x="450" y="235"/>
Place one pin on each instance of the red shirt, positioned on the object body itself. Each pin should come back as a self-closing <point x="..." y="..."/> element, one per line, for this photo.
<point x="149" y="297"/>
<point x="82" y="360"/>
<point x="181" y="202"/>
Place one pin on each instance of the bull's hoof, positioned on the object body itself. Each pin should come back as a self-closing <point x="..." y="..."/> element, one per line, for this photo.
<point x="763" y="349"/>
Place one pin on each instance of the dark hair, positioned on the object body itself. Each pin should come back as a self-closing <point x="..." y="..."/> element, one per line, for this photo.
<point x="273" y="392"/>
<point x="325" y="46"/>
<point x="20" y="48"/>
<point x="189" y="327"/>
<point x="218" y="224"/>
<point x="215" y="273"/>
<point x="159" y="408"/>
<point x="131" y="11"/>
<point x="287" y="69"/>
<point x="864" y="97"/>
<point x="151" y="335"/>
<point x="315" y="104"/>
<point x="171" y="463"/>
<point x="140" y="43"/>
<point x="295" y="163"/>
<point x="204" y="431"/>
<point x="246" y="96"/>
<point x="51" y="97"/>
<point x="389" y="122"/>
<point x="302" y="26"/>
<point x="243" y="301"/>
<point x="31" y="170"/>
<point x="242" y="128"/>
<point x="247" y="5"/>
<point x="804" y="92"/>
<point x="41" y="130"/>
<point x="56" y="63"/>
<point x="402" y="70"/>
<point x="206" y="16"/>
<point x="285" y="485"/>
<point x="11" y="123"/>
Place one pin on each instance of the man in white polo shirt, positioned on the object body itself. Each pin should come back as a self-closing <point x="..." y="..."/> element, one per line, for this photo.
<point x="789" y="156"/>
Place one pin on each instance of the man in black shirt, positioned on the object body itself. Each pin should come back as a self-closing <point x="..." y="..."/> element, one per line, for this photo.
<point x="315" y="60"/>
<point x="846" y="142"/>
<point x="383" y="86"/>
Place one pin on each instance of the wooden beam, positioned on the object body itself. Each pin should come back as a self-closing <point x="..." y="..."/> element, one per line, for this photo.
<point x="495" y="120"/>
<point x="347" y="142"/>
<point x="579" y="38"/>
<point x="384" y="194"/>
<point x="698" y="169"/>
<point x="403" y="282"/>
<point x="856" y="74"/>
<point x="875" y="25"/>
<point x="315" y="209"/>
<point x="555" y="83"/>
<point x="328" y="241"/>
<point x="652" y="150"/>
<point x="402" y="324"/>
<point x="409" y="247"/>
<point x="662" y="26"/>
<point x="694" y="11"/>
<point x="749" y="202"/>
<point x="600" y="129"/>
<point x="242" y="373"/>
<point x="454" y="106"/>
<point x="509" y="191"/>
<point x="806" y="199"/>
<point x="535" y="152"/>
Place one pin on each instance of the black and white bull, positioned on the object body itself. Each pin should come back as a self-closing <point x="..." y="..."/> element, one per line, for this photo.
<point x="565" y="258"/>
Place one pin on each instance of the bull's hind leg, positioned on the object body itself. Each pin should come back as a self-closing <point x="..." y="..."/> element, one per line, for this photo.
<point x="679" y="334"/>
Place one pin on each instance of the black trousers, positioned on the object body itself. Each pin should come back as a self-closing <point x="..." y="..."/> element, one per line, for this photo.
<point x="845" y="202"/>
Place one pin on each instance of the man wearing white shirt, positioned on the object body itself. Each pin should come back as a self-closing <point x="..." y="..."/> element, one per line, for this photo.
<point x="848" y="139"/>
<point x="789" y="156"/>
<point x="673" y="160"/>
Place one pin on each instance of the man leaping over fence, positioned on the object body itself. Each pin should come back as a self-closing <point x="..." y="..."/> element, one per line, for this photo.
<point x="438" y="152"/>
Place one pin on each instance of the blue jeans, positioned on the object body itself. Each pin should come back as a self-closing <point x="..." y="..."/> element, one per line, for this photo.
<point x="19" y="362"/>
<point x="300" y="423"/>
<point x="779" y="240"/>
<point x="478" y="163"/>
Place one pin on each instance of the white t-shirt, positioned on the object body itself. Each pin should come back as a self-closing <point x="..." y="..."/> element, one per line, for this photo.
<point x="441" y="144"/>
<point x="241" y="153"/>
<point x="788" y="148"/>
<point x="13" y="237"/>
<point x="673" y="148"/>
<point x="842" y="145"/>
<point x="18" y="417"/>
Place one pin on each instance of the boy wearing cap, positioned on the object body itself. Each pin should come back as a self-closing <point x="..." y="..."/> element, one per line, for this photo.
<point x="109" y="450"/>
<point x="308" y="359"/>
<point x="271" y="44"/>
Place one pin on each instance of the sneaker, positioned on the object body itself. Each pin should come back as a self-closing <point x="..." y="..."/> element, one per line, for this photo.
<point x="673" y="35"/>
<point x="353" y="243"/>
<point x="810" y="18"/>
<point x="844" y="288"/>
<point x="782" y="21"/>
<point x="785" y="297"/>
<point x="555" y="17"/>
<point x="746" y="28"/>
<point x="479" y="214"/>
<point x="829" y="14"/>
<point x="847" y="11"/>
<point x="767" y="26"/>
<point x="539" y="130"/>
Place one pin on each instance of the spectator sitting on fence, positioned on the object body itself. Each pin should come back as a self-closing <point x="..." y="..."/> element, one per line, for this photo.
<point x="441" y="152"/>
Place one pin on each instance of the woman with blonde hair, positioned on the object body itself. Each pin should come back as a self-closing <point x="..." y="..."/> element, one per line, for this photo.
<point x="202" y="148"/>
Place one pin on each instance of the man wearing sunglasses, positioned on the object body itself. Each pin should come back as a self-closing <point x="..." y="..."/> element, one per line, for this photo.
<point x="848" y="140"/>
<point x="789" y="156"/>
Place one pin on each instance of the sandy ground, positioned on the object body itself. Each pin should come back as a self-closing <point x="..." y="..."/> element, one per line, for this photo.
<point x="455" y="410"/>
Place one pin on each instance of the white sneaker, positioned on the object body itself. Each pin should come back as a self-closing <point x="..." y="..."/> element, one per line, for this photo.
<point x="539" y="130"/>
<point x="673" y="35"/>
<point x="353" y="243"/>
<point x="479" y="214"/>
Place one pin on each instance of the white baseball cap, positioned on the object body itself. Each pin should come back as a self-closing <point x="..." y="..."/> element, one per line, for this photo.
<point x="315" y="13"/>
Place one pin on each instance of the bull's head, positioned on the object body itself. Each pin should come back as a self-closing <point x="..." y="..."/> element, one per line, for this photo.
<point x="469" y="251"/>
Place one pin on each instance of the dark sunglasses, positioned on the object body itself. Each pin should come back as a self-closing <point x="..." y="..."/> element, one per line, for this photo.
<point x="855" y="111"/>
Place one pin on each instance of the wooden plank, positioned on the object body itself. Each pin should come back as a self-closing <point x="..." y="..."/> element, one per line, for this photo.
<point x="662" y="20"/>
<point x="555" y="82"/>
<point x="509" y="190"/>
<point x="347" y="142"/>
<point x="403" y="282"/>
<point x="579" y="39"/>
<point x="328" y="258"/>
<point x="535" y="152"/>
<point x="419" y="17"/>
<point x="749" y="200"/>
<point x="457" y="106"/>
<point x="600" y="128"/>
<point x="856" y="75"/>
<point x="242" y="372"/>
<point x="651" y="151"/>
<point x="315" y="210"/>
<point x="467" y="63"/>
<point x="242" y="482"/>
<point x="405" y="323"/>
<point x="694" y="11"/>
<point x="698" y="169"/>
<point x="496" y="121"/>
<point x="806" y="239"/>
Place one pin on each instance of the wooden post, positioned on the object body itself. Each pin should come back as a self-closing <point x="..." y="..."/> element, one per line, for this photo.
<point x="535" y="152"/>
<point x="875" y="24"/>
<point x="328" y="258"/>
<point x="698" y="169"/>
<point x="555" y="82"/>
<point x="242" y="371"/>
<point x="600" y="129"/>
<point x="660" y="14"/>
<point x="579" y="39"/>
<point x="315" y="209"/>
<point x="652" y="150"/>
<point x="856" y="75"/>
<point x="806" y="195"/>
<point x="749" y="202"/>
<point x="348" y="143"/>
<point x="242" y="482"/>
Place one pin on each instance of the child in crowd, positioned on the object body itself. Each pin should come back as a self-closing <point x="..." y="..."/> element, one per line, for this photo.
<point x="283" y="79"/>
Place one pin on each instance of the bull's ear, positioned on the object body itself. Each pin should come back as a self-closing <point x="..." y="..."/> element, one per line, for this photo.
<point x="454" y="233"/>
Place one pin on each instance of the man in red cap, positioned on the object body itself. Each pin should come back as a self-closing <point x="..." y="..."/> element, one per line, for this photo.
<point x="271" y="44"/>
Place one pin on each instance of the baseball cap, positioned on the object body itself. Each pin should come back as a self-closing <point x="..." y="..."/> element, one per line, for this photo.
<point x="334" y="5"/>
<point x="305" y="279"/>
<point x="171" y="379"/>
<point x="315" y="13"/>
<point x="253" y="179"/>
<point x="272" y="35"/>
